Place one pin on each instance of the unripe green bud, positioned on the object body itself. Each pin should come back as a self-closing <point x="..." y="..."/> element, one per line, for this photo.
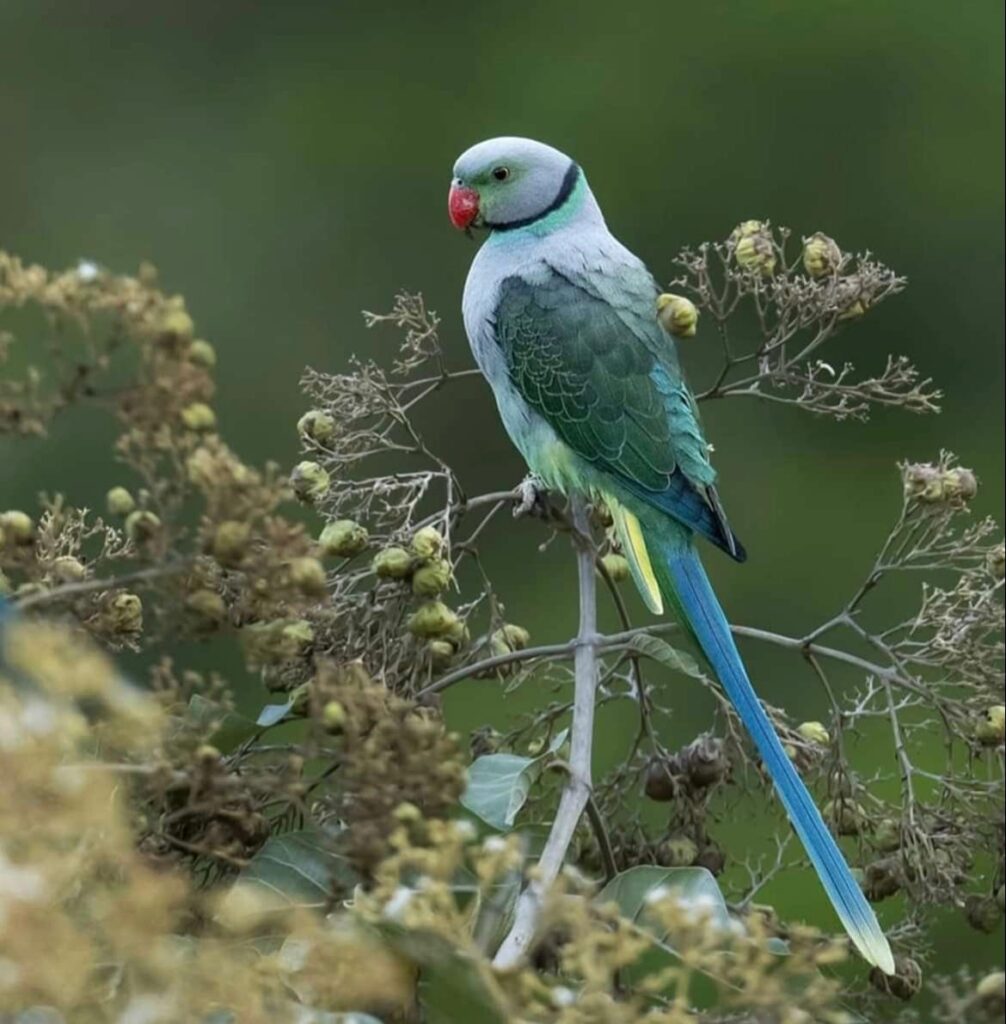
<point x="16" y="527"/>
<point x="535" y="747"/>
<point x="821" y="255"/>
<point x="142" y="525"/>
<point x="308" y="575"/>
<point x="991" y="730"/>
<point x="392" y="563"/>
<point x="430" y="579"/>
<point x="407" y="813"/>
<point x="333" y="717"/>
<point x="983" y="913"/>
<point x="123" y="613"/>
<point x="310" y="481"/>
<point x="677" y="315"/>
<point x="208" y="754"/>
<point x="317" y="426"/>
<point x="207" y="605"/>
<point x="433" y="618"/>
<point x="342" y="539"/>
<point x="427" y="542"/>
<point x="995" y="561"/>
<point x="677" y="852"/>
<point x="511" y="637"/>
<point x="616" y="567"/>
<point x="752" y="248"/>
<point x="178" y="323"/>
<point x="230" y="542"/>
<point x="199" y="416"/>
<point x="458" y="635"/>
<point x="848" y="818"/>
<point x="119" y="502"/>
<point x="68" y="569"/>
<point x="202" y="353"/>
<point x="441" y="652"/>
<point x="814" y="732"/>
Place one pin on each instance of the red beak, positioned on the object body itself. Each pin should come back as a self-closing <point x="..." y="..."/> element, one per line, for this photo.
<point x="463" y="206"/>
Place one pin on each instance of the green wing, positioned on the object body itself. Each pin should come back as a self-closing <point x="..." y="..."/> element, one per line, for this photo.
<point x="604" y="375"/>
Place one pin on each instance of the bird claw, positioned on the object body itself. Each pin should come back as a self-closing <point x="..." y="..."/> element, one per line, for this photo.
<point x="532" y="498"/>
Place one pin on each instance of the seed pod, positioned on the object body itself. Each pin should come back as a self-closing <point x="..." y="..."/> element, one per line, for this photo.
<point x="848" y="817"/>
<point x="342" y="539"/>
<point x="16" y="527"/>
<point x="959" y="482"/>
<point x="510" y="637"/>
<point x="392" y="563"/>
<point x="991" y="991"/>
<point x="881" y="879"/>
<point x="176" y="323"/>
<point x="199" y="416"/>
<point x="333" y="717"/>
<point x="68" y="569"/>
<point x="427" y="542"/>
<point x="923" y="482"/>
<point x="142" y="525"/>
<point x="202" y="353"/>
<point x="308" y="576"/>
<point x="271" y="643"/>
<point x="712" y="858"/>
<point x="982" y="913"/>
<point x="752" y="247"/>
<point x="431" y="619"/>
<point x="231" y="541"/>
<point x="441" y="652"/>
<point x="119" y="502"/>
<point x="903" y="984"/>
<point x="316" y="426"/>
<point x="310" y="481"/>
<point x="679" y="851"/>
<point x="616" y="567"/>
<point x="991" y="730"/>
<point x="660" y="784"/>
<point x="677" y="314"/>
<point x="704" y="762"/>
<point x="430" y="579"/>
<point x="208" y="605"/>
<point x="995" y="561"/>
<point x="123" y="614"/>
<point x="887" y="837"/>
<point x="814" y="732"/>
<point x="821" y="255"/>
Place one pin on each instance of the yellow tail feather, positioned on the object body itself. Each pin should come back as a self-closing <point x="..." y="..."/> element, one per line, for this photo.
<point x="630" y="536"/>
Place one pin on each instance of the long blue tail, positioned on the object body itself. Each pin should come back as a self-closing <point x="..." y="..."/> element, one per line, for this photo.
<point x="702" y="611"/>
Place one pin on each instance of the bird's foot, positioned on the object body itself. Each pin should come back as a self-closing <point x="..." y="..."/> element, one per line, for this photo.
<point x="532" y="498"/>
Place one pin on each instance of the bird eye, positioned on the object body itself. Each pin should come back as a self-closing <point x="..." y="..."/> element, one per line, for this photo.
<point x="501" y="173"/>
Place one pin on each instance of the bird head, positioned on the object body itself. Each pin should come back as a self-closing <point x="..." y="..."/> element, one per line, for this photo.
<point x="509" y="182"/>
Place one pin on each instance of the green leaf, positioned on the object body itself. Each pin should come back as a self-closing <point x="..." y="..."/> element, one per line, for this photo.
<point x="452" y="988"/>
<point x="273" y="713"/>
<point x="300" y="867"/>
<point x="498" y="785"/>
<point x="662" y="652"/>
<point x="228" y="728"/>
<point x="694" y="888"/>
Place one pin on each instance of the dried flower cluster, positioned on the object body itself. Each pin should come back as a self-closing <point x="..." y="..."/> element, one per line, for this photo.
<point x="165" y="858"/>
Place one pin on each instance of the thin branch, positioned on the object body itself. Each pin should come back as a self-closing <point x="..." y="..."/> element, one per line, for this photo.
<point x="576" y="791"/>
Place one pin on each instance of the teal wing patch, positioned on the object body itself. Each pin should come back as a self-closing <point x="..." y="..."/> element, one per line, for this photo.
<point x="595" y="372"/>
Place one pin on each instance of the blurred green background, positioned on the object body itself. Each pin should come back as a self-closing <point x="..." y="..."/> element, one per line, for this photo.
<point x="286" y="165"/>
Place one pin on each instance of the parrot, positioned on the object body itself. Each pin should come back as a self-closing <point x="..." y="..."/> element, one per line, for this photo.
<point x="562" y="322"/>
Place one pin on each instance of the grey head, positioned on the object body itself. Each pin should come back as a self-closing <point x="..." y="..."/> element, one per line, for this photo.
<point x="510" y="182"/>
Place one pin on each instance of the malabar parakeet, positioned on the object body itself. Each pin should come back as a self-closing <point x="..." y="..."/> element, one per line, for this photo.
<point x="563" y="323"/>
